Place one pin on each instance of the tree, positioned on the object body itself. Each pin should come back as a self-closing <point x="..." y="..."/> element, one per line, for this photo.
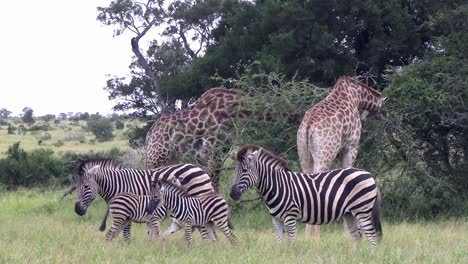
<point x="182" y="23"/>
<point x="423" y="139"/>
<point x="28" y="116"/>
<point x="101" y="127"/>
<point x="5" y="113"/>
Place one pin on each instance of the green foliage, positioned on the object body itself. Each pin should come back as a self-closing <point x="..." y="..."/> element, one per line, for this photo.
<point x="21" y="169"/>
<point x="42" y="168"/>
<point x="28" y="116"/>
<point x="137" y="135"/>
<point x="419" y="148"/>
<point x="101" y="127"/>
<point x="11" y="129"/>
<point x="119" y="124"/>
<point x="278" y="104"/>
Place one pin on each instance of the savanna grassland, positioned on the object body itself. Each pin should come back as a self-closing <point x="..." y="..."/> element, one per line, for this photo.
<point x="66" y="136"/>
<point x="42" y="227"/>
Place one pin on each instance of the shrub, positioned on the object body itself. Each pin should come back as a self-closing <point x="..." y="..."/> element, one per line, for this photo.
<point x="37" y="168"/>
<point x="119" y="124"/>
<point x="59" y="143"/>
<point x="39" y="127"/>
<point x="101" y="127"/>
<point x="11" y="129"/>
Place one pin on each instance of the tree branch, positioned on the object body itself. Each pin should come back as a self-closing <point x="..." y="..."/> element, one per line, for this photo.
<point x="186" y="45"/>
<point x="141" y="59"/>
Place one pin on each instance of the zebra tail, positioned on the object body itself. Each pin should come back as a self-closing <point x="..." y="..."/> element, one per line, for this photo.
<point x="230" y="224"/>
<point x="376" y="215"/>
<point x="104" y="220"/>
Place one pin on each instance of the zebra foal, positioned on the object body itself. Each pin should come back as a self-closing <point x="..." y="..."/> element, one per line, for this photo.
<point x="189" y="211"/>
<point x="315" y="199"/>
<point x="128" y="207"/>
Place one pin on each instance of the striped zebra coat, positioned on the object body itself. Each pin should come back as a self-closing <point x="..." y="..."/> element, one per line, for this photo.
<point x="316" y="199"/>
<point x="96" y="179"/>
<point x="127" y="207"/>
<point x="190" y="211"/>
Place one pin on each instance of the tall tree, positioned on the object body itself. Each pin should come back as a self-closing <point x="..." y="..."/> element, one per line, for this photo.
<point x="5" y="113"/>
<point x="185" y="27"/>
<point x="28" y="115"/>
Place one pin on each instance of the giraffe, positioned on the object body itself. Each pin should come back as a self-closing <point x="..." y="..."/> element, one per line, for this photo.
<point x="198" y="134"/>
<point x="334" y="125"/>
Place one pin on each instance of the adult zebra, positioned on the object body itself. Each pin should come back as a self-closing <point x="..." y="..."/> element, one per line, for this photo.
<point x="190" y="211"/>
<point x="107" y="182"/>
<point x="309" y="198"/>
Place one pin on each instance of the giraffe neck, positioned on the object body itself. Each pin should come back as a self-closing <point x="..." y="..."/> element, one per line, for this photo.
<point x="362" y="96"/>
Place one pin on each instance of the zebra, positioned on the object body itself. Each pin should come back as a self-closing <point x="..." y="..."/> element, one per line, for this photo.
<point x="190" y="211"/>
<point x="108" y="182"/>
<point x="126" y="207"/>
<point x="316" y="199"/>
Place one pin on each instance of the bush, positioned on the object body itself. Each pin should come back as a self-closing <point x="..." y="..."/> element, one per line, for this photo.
<point x="37" y="168"/>
<point x="59" y="143"/>
<point x="119" y="124"/>
<point x="101" y="127"/>
<point x="137" y="135"/>
<point x="11" y="129"/>
<point x="39" y="127"/>
<point x="41" y="168"/>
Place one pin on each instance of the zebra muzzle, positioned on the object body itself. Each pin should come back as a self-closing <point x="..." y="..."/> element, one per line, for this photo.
<point x="79" y="210"/>
<point x="235" y="194"/>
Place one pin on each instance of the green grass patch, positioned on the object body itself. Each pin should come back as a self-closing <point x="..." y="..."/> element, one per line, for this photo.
<point x="42" y="227"/>
<point x="67" y="136"/>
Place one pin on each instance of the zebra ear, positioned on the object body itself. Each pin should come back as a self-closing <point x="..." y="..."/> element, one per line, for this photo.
<point x="254" y="155"/>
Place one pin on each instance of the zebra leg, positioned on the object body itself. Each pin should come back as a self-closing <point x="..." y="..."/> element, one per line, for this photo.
<point x="118" y="222"/>
<point x="172" y="229"/>
<point x="290" y="228"/>
<point x="152" y="229"/>
<point x="279" y="229"/>
<point x="188" y="234"/>
<point x="113" y="231"/>
<point x="353" y="227"/>
<point x="367" y="227"/>
<point x="223" y="225"/>
<point x="127" y="234"/>
<point x="211" y="232"/>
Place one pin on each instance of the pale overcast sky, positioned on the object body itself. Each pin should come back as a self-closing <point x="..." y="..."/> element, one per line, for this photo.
<point x="54" y="56"/>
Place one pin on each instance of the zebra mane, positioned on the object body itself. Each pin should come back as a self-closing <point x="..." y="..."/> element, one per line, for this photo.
<point x="175" y="188"/>
<point x="250" y="148"/>
<point x="358" y="83"/>
<point x="105" y="163"/>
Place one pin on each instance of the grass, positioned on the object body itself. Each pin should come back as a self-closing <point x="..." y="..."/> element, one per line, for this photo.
<point x="64" y="133"/>
<point x="41" y="227"/>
